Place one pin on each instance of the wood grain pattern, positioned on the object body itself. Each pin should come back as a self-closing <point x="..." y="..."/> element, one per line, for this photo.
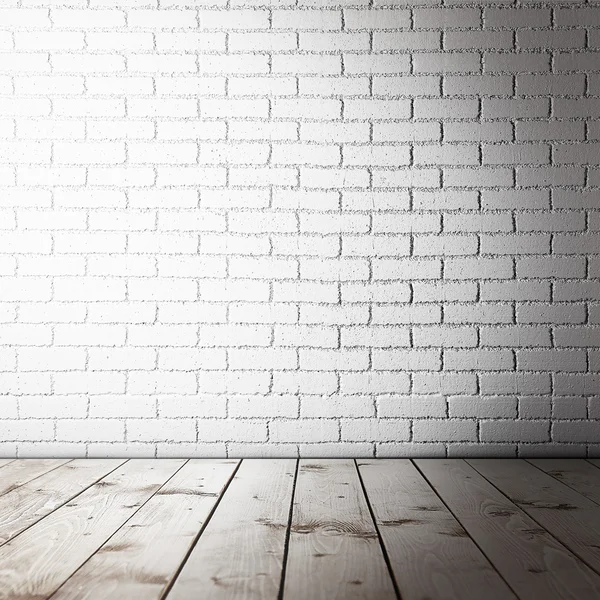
<point x="39" y="560"/>
<point x="240" y="553"/>
<point x="19" y="472"/>
<point x="578" y="474"/>
<point x="167" y="529"/>
<point x="142" y="557"/>
<point x="430" y="553"/>
<point x="32" y="501"/>
<point x="334" y="550"/>
<point x="530" y="560"/>
<point x="571" y="518"/>
<point x="594" y="461"/>
<point x="6" y="461"/>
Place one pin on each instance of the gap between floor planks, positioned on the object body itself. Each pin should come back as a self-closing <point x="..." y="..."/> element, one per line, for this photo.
<point x="324" y="528"/>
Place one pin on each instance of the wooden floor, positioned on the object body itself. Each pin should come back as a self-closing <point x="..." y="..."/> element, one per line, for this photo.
<point x="310" y="529"/>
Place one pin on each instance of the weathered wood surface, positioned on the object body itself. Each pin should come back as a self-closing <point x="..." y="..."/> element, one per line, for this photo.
<point x="240" y="553"/>
<point x="39" y="560"/>
<point x="579" y="475"/>
<point x="529" y="559"/>
<point x="334" y="549"/>
<point x="141" y="558"/>
<point x="32" y="501"/>
<point x="167" y="529"/>
<point x="430" y="553"/>
<point x="18" y="472"/>
<point x="571" y="518"/>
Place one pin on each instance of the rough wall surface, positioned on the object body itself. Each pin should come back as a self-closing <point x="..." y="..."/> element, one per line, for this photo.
<point x="325" y="227"/>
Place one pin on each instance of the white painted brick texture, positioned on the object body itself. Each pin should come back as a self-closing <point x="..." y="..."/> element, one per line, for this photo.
<point x="299" y="228"/>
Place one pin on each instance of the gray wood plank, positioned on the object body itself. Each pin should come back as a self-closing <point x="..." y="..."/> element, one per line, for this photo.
<point x="334" y="550"/>
<point x="143" y="556"/>
<point x="6" y="461"/>
<point x="533" y="563"/>
<point x="240" y="552"/>
<point x="430" y="553"/>
<point x="570" y="517"/>
<point x="18" y="472"/>
<point x="32" y="501"/>
<point x="576" y="473"/>
<point x="35" y="563"/>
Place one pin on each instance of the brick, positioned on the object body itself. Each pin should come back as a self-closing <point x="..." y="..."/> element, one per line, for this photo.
<point x="407" y="40"/>
<point x="376" y="19"/>
<point x="550" y="176"/>
<point x="478" y="360"/>
<point x="444" y="383"/>
<point x="550" y="131"/>
<point x="517" y="108"/>
<point x="510" y="18"/>
<point x="478" y="313"/>
<point x="515" y="290"/>
<point x="324" y="20"/>
<point x="376" y="109"/>
<point x="305" y="430"/>
<point x="445" y="108"/>
<point x="374" y="429"/>
<point x="447" y="18"/>
<point x="336" y="406"/>
<point x="444" y="430"/>
<point x="554" y="39"/>
<point x="514" y="431"/>
<point x="374" y="383"/>
<point x="111" y="359"/>
<point x="305" y="336"/>
<point x="516" y="62"/>
<point x="384" y="292"/>
<point x="447" y="290"/>
<point x="406" y="314"/>
<point x="543" y="84"/>
<point x="478" y="407"/>
<point x="364" y="64"/>
<point x="478" y="222"/>
<point x="446" y="62"/>
<point x="484" y="40"/>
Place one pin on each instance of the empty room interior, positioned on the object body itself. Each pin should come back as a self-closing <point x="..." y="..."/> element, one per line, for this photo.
<point x="300" y="299"/>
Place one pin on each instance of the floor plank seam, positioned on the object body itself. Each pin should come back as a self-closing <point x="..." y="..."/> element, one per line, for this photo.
<point x="171" y="583"/>
<point x="34" y="478"/>
<point x="381" y="542"/>
<point x="461" y="524"/>
<point x="70" y="499"/>
<point x="287" y="529"/>
<point x="565" y="483"/>
<point x="116" y="531"/>
<point x="288" y="533"/>
<point x="553" y="536"/>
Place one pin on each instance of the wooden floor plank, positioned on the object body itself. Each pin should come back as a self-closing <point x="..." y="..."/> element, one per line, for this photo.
<point x="571" y="518"/>
<point x="576" y="473"/>
<point x="240" y="553"/>
<point x="141" y="559"/>
<point x="334" y="550"/>
<point x="6" y="461"/>
<point x="533" y="563"/>
<point x="19" y="472"/>
<point x="35" y="563"/>
<point x="430" y="553"/>
<point x="32" y="501"/>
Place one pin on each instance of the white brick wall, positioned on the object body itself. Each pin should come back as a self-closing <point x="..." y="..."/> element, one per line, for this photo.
<point x="299" y="227"/>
